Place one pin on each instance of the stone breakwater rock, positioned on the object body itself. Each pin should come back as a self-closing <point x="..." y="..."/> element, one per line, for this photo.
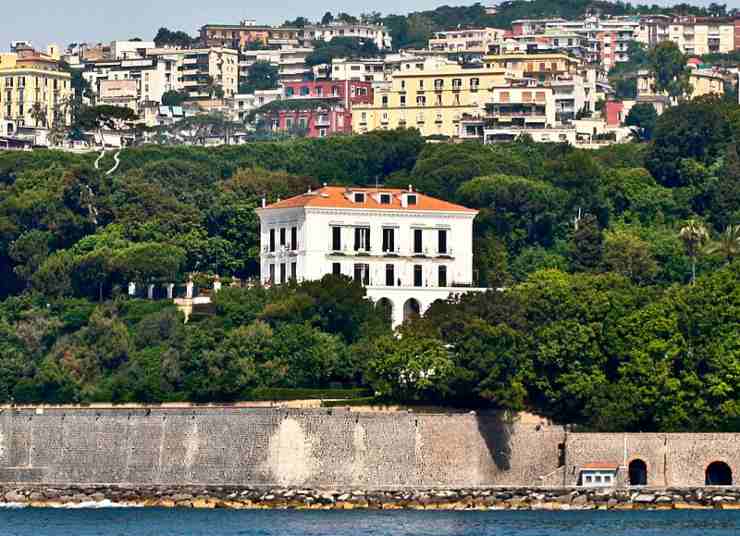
<point x="422" y="499"/>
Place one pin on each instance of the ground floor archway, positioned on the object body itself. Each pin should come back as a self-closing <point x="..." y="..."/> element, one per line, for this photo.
<point x="637" y="472"/>
<point x="411" y="309"/>
<point x="385" y="307"/>
<point x="718" y="474"/>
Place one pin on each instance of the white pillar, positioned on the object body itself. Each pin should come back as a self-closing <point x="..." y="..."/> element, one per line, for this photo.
<point x="170" y="291"/>
<point x="150" y="292"/>
<point x="189" y="290"/>
<point x="216" y="285"/>
<point x="132" y="289"/>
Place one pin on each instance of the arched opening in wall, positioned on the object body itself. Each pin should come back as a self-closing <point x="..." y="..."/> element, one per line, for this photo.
<point x="718" y="474"/>
<point x="637" y="473"/>
<point x="411" y="309"/>
<point x="385" y="307"/>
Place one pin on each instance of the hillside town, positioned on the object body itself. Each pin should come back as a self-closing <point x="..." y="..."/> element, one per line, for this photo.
<point x="589" y="81"/>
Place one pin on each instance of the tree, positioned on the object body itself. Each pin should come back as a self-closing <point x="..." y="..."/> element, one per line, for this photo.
<point x="693" y="235"/>
<point x="724" y="203"/>
<point x="174" y="98"/>
<point x="644" y="117"/>
<point x="260" y="75"/>
<point x="629" y="255"/>
<point x="298" y="22"/>
<point x="668" y="68"/>
<point x="115" y="118"/>
<point x="728" y="244"/>
<point x="587" y="245"/>
<point x="39" y="116"/>
<point x="174" y="39"/>
<point x="328" y="18"/>
<point x="697" y="130"/>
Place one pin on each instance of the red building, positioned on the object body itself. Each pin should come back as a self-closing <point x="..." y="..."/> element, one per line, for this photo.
<point x="319" y="108"/>
<point x="615" y="115"/>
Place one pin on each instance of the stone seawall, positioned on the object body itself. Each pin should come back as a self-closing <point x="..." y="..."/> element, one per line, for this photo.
<point x="263" y="447"/>
<point x="429" y="499"/>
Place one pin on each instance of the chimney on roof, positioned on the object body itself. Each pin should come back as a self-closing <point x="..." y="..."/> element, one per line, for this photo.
<point x="411" y="188"/>
<point x="278" y="199"/>
<point x="324" y="185"/>
<point x="264" y="201"/>
<point x="309" y="190"/>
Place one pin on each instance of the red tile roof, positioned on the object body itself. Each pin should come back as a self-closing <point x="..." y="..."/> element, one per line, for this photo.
<point x="336" y="197"/>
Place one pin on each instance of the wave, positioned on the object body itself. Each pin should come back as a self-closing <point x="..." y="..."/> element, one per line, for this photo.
<point x="74" y="506"/>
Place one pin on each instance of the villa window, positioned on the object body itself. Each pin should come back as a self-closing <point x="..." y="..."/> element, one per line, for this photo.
<point x="389" y="240"/>
<point x="362" y="238"/>
<point x="442" y="276"/>
<point x="282" y="272"/>
<point x="442" y="241"/>
<point x="272" y="240"/>
<point x="294" y="270"/>
<point x="272" y="273"/>
<point x="359" y="197"/>
<point x="418" y="243"/>
<point x="282" y="236"/>
<point x="410" y="200"/>
<point x="336" y="268"/>
<point x="389" y="275"/>
<point x="385" y="199"/>
<point x="417" y="275"/>
<point x="336" y="238"/>
<point x="294" y="238"/>
<point x="362" y="273"/>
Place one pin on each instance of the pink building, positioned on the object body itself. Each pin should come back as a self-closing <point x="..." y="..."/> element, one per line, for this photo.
<point x="319" y="108"/>
<point x="615" y="115"/>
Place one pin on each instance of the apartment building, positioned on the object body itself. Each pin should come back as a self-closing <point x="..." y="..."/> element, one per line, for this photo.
<point x="243" y="104"/>
<point x="469" y="41"/>
<point x="653" y="29"/>
<point x="320" y="108"/>
<point x="377" y="33"/>
<point x="406" y="248"/>
<point x="361" y="69"/>
<point x="133" y="81"/>
<point x="290" y="62"/>
<point x="702" y="81"/>
<point x="431" y="95"/>
<point x="703" y="35"/>
<point x="240" y="36"/>
<point x="35" y="91"/>
<point x="200" y="70"/>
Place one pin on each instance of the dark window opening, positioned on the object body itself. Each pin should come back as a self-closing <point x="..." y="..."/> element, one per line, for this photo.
<point x="282" y="272"/>
<point x="294" y="270"/>
<point x="336" y="238"/>
<point x="272" y="240"/>
<point x="442" y="273"/>
<point x="389" y="275"/>
<point x="282" y="237"/>
<point x="385" y="199"/>
<point x="294" y="238"/>
<point x="442" y="241"/>
<point x="362" y="273"/>
<point x="359" y="197"/>
<point x="418" y="245"/>
<point x="410" y="199"/>
<point x="272" y="273"/>
<point x="417" y="275"/>
<point x="389" y="240"/>
<point x="336" y="268"/>
<point x="362" y="238"/>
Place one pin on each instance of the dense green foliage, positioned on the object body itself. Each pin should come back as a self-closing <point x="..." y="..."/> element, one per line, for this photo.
<point x="602" y="322"/>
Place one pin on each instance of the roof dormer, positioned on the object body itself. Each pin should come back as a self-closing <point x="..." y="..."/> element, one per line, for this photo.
<point x="409" y="198"/>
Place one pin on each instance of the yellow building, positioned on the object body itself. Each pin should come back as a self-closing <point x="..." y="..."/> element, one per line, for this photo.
<point x="431" y="95"/>
<point x="702" y="82"/>
<point x="696" y="36"/>
<point x="542" y="67"/>
<point x="35" y="91"/>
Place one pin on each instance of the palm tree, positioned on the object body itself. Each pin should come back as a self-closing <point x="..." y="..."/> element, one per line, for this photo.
<point x="694" y="234"/>
<point x="38" y="114"/>
<point x="728" y="244"/>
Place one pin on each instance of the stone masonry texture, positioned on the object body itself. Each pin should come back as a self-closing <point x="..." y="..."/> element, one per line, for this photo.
<point x="332" y="449"/>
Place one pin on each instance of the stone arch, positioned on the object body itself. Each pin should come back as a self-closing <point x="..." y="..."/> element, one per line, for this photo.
<point x="411" y="309"/>
<point x="637" y="472"/>
<point x="385" y="307"/>
<point x="718" y="474"/>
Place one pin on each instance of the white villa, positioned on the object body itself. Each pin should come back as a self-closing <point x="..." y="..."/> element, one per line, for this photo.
<point x="406" y="248"/>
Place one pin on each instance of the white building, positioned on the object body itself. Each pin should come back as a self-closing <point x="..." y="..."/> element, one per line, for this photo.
<point x="470" y="40"/>
<point x="377" y="33"/>
<point x="290" y="61"/>
<point x="403" y="246"/>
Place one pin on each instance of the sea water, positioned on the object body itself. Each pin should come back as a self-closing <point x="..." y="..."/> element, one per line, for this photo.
<point x="160" y="522"/>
